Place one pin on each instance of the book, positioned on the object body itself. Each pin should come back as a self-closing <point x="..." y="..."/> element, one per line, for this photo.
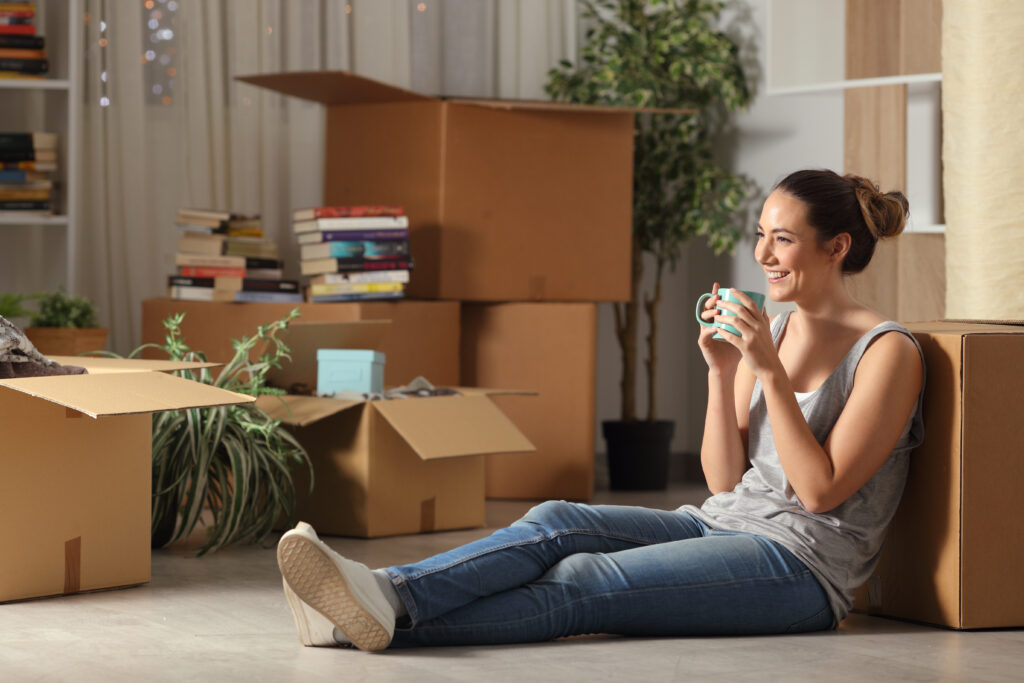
<point x="343" y="211"/>
<point x="29" y="165"/>
<point x="264" y="273"/>
<point x="207" y="260"/>
<point x="354" y="248"/>
<point x="363" y="223"/>
<point x="22" y="176"/>
<point x="18" y="53"/>
<point x="253" y="262"/>
<point x="49" y="155"/>
<point x="340" y="265"/>
<point x="28" y="140"/>
<point x="255" y="247"/>
<point x="22" y="42"/>
<point x="18" y="29"/>
<point x="31" y="194"/>
<point x="205" y="214"/>
<point x="359" y="296"/>
<point x="188" y="293"/>
<point x="31" y="66"/>
<point x="212" y="271"/>
<point x="356" y="288"/>
<point x="231" y="284"/>
<point x="371" y="276"/>
<point x="198" y="243"/>
<point x="39" y="207"/>
<point x="313" y="237"/>
<point x="246" y="296"/>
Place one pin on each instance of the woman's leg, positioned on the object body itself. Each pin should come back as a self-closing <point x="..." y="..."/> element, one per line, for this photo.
<point x="525" y="551"/>
<point x="724" y="583"/>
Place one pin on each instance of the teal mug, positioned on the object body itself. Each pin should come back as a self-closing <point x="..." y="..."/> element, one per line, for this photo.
<point x="726" y="295"/>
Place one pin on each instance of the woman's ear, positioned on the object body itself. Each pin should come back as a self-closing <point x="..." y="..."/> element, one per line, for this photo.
<point x="839" y="247"/>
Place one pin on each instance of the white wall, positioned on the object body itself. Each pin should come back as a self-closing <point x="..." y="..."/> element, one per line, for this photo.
<point x="776" y="135"/>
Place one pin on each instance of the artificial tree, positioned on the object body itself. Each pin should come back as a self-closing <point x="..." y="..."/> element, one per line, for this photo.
<point x="665" y="54"/>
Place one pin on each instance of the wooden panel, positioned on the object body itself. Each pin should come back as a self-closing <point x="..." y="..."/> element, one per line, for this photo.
<point x="875" y="135"/>
<point x="875" y="286"/>
<point x="872" y="38"/>
<point x="922" y="277"/>
<point x="920" y="36"/>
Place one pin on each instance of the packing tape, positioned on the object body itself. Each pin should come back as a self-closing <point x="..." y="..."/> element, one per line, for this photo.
<point x="72" y="565"/>
<point x="428" y="515"/>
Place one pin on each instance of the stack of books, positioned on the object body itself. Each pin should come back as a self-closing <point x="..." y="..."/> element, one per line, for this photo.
<point x="22" y="53"/>
<point x="354" y="253"/>
<point x="223" y="256"/>
<point x="26" y="163"/>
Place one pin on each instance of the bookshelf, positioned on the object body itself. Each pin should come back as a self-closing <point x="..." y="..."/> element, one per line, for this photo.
<point x="38" y="253"/>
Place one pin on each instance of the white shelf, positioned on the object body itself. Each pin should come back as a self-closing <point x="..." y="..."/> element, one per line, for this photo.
<point x="33" y="220"/>
<point x="832" y="86"/>
<point x="34" y="84"/>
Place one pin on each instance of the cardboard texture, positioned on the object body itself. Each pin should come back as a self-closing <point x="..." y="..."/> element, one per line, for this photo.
<point x="551" y="349"/>
<point x="507" y="200"/>
<point x="422" y="339"/>
<point x="952" y="552"/>
<point x="76" y="492"/>
<point x="392" y="467"/>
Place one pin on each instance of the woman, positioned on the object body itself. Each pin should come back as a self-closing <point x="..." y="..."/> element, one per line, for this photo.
<point x="825" y="405"/>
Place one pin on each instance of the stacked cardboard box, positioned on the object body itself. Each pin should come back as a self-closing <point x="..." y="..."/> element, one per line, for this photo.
<point x="517" y="209"/>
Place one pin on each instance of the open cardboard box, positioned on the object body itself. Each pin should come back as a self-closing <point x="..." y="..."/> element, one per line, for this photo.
<point x="508" y="200"/>
<point x="956" y="545"/>
<point x="75" y="495"/>
<point x="389" y="467"/>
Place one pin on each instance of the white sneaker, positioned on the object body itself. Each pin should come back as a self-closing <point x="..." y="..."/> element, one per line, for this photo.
<point x="326" y="590"/>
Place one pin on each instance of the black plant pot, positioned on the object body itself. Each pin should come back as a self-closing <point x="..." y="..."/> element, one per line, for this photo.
<point x="638" y="454"/>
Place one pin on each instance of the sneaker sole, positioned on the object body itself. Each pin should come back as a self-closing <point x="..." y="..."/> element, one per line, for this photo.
<point x="318" y="582"/>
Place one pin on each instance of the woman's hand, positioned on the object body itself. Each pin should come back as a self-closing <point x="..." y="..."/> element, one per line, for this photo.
<point x="720" y="357"/>
<point x="756" y="344"/>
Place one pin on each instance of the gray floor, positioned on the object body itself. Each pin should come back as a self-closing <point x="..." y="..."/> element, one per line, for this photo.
<point x="223" y="617"/>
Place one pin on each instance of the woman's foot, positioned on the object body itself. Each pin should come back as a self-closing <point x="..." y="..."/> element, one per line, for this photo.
<point x="327" y="591"/>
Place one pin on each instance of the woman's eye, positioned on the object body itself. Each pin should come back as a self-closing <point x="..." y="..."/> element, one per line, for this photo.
<point x="785" y="239"/>
<point x="759" y="235"/>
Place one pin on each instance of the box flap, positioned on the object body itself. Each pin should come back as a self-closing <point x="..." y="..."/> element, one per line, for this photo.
<point x="542" y="105"/>
<point x="483" y="391"/>
<point x="333" y="87"/>
<point x="965" y="327"/>
<point x="451" y="426"/>
<point x="298" y="376"/>
<point x="128" y="393"/>
<point x="301" y="411"/>
<point x="100" y="364"/>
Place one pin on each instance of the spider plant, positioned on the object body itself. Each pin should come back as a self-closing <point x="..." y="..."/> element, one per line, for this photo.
<point x="233" y="460"/>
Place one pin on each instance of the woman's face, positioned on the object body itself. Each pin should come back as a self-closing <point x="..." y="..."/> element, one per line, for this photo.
<point x="788" y="250"/>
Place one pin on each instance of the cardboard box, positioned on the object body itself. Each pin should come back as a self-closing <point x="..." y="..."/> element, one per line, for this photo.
<point x="391" y="467"/>
<point x="954" y="551"/>
<point x="551" y="349"/>
<point x="423" y="338"/>
<point x="75" y="495"/>
<point x="507" y="200"/>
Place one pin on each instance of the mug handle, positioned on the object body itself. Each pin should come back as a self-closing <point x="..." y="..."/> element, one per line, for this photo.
<point x="700" y="305"/>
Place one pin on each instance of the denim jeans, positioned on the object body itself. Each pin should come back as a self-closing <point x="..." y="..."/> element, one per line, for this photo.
<point x="567" y="569"/>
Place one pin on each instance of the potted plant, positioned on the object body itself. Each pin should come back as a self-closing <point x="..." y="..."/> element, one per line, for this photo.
<point x="664" y="54"/>
<point x="11" y="306"/>
<point x="65" y="325"/>
<point x="234" y="461"/>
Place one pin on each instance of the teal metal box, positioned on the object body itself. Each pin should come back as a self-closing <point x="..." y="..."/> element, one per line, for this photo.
<point x="358" y="370"/>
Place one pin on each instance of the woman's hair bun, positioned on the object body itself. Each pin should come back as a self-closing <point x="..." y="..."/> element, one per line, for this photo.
<point x="885" y="213"/>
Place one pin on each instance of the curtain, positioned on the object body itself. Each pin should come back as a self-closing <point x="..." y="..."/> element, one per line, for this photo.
<point x="167" y="126"/>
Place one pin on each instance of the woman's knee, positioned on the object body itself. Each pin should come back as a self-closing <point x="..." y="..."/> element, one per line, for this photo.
<point x="552" y="514"/>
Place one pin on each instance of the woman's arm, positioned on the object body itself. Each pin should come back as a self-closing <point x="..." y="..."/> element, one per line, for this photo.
<point x="886" y="386"/>
<point x="723" y="451"/>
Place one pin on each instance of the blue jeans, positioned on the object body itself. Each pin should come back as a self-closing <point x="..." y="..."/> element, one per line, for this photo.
<point x="567" y="569"/>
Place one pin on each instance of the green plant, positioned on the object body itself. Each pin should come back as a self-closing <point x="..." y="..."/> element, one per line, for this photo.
<point x="664" y="54"/>
<point x="60" y="309"/>
<point x="234" y="460"/>
<point x="10" y="306"/>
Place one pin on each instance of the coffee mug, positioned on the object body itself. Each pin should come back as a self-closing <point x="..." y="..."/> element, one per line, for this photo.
<point x="726" y="295"/>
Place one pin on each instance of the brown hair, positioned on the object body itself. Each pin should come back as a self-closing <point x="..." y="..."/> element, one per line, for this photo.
<point x="850" y="204"/>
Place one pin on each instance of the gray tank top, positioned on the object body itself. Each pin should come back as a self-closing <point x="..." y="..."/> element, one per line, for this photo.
<point x="840" y="547"/>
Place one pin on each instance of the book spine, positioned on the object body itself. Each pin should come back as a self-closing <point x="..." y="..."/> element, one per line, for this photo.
<point x="184" y="281"/>
<point x="257" y="285"/>
<point x="28" y="66"/>
<point x="349" y="265"/>
<point x="251" y="262"/>
<point x="17" y="155"/>
<point x="24" y="194"/>
<point x="246" y="296"/>
<point x="356" y="288"/>
<point x="16" y="53"/>
<point x="215" y="261"/>
<point x="30" y="165"/>
<point x="366" y="223"/>
<point x="374" y="276"/>
<point x="210" y="271"/>
<point x="24" y="205"/>
<point x="347" y="211"/>
<point x="355" y="235"/>
<point x="13" y="176"/>
<point x="18" y="29"/>
<point x="356" y="296"/>
<point x="22" y="42"/>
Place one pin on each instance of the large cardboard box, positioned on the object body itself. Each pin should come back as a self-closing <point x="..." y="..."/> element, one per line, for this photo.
<point x="423" y="338"/>
<point x="390" y="467"/>
<point x="75" y="495"/>
<point x="549" y="348"/>
<point x="956" y="545"/>
<point x="507" y="200"/>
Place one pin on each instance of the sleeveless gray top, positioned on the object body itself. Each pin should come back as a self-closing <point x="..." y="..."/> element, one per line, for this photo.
<point x="841" y="546"/>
